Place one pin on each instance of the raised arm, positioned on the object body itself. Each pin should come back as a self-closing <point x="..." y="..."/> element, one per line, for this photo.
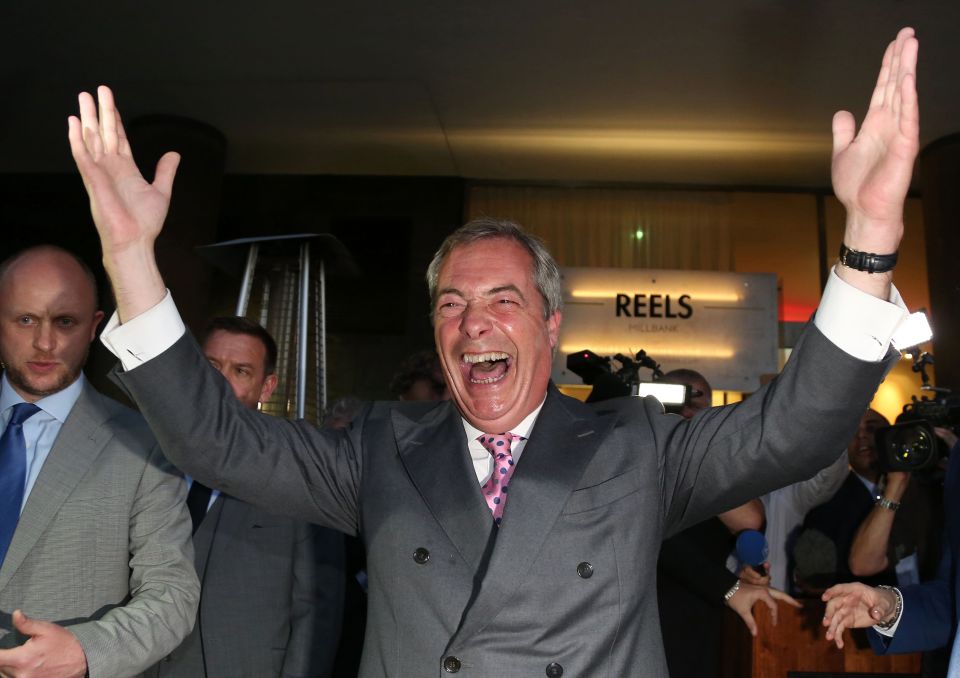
<point x="128" y="211"/>
<point x="872" y="169"/>
<point x="868" y="553"/>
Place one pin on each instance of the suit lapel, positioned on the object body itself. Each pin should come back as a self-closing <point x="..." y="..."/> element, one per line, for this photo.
<point x="434" y="453"/>
<point x="78" y="444"/>
<point x="206" y="533"/>
<point x="563" y="441"/>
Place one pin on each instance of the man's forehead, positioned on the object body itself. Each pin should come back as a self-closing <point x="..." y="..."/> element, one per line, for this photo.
<point x="497" y="262"/>
<point x="233" y="342"/>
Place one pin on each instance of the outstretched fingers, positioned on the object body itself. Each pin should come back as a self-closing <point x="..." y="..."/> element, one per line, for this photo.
<point x="90" y="125"/>
<point x="880" y="89"/>
<point x="909" y="108"/>
<point x="108" y="119"/>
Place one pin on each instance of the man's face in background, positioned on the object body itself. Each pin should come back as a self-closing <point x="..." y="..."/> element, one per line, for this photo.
<point x="242" y="360"/>
<point x="862" y="450"/>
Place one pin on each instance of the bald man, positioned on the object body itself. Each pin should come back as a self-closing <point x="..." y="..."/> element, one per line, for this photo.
<point x="96" y="562"/>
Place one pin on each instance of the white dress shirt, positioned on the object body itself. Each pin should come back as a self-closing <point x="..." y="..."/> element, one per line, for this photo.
<point x="41" y="430"/>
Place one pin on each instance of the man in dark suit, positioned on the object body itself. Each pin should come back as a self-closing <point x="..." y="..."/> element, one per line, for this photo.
<point x="272" y="587"/>
<point x="94" y="530"/>
<point x="884" y="528"/>
<point x="916" y="618"/>
<point x="559" y="579"/>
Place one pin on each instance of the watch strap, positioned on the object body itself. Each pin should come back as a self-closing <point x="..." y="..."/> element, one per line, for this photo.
<point x="867" y="261"/>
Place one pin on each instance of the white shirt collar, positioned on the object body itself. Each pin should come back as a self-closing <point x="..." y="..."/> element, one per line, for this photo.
<point x="522" y="429"/>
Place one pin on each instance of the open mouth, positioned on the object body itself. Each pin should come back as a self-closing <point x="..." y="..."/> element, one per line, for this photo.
<point x="487" y="368"/>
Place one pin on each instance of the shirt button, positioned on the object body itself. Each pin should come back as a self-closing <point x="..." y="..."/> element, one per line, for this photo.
<point x="554" y="670"/>
<point x="421" y="556"/>
<point x="585" y="571"/>
<point x="451" y="664"/>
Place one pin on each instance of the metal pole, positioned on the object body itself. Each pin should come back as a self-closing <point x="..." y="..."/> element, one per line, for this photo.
<point x="302" y="330"/>
<point x="322" y="339"/>
<point x="247" y="283"/>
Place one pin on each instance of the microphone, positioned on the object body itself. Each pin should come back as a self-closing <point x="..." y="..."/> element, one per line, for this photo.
<point x="752" y="550"/>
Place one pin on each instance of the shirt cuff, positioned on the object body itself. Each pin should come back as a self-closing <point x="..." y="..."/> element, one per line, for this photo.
<point x="860" y="324"/>
<point x="892" y="629"/>
<point x="145" y="337"/>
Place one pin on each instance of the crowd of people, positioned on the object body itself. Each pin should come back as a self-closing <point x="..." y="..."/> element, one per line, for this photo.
<point x="494" y="526"/>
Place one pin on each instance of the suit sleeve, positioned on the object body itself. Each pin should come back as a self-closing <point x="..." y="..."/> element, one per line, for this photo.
<point x="927" y="619"/>
<point x="280" y="466"/>
<point x="784" y="433"/>
<point x="316" y="605"/>
<point x="164" y="590"/>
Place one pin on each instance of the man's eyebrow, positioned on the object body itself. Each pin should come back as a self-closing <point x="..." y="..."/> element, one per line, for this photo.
<point x="507" y="288"/>
<point x="489" y="293"/>
<point x="449" y="290"/>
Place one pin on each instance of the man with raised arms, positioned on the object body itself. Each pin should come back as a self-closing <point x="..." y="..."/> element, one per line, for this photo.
<point x="559" y="580"/>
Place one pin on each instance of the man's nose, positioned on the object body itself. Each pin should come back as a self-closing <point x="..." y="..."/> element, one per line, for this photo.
<point x="44" y="338"/>
<point x="474" y="321"/>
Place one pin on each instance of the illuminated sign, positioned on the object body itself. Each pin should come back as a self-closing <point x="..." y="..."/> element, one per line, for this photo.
<point x="723" y="325"/>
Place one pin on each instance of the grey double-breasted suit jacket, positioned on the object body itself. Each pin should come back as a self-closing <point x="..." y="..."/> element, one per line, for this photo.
<point x="567" y="584"/>
<point x="272" y="597"/>
<point x="103" y="543"/>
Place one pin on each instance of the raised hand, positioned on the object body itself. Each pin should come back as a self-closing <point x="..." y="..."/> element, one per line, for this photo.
<point x="127" y="210"/>
<point x="872" y="169"/>
<point x="855" y="606"/>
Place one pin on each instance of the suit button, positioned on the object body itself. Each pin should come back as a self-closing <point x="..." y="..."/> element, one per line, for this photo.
<point x="451" y="664"/>
<point x="554" y="670"/>
<point x="421" y="556"/>
<point x="585" y="571"/>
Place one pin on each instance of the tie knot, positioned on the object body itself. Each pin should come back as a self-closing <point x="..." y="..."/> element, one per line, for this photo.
<point x="22" y="412"/>
<point x="496" y="443"/>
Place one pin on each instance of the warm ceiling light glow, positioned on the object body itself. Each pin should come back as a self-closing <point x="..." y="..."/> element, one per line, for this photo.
<point x="626" y="142"/>
<point x="657" y="352"/>
<point x="728" y="297"/>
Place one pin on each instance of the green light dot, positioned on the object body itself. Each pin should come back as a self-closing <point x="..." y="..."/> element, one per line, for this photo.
<point x="638" y="234"/>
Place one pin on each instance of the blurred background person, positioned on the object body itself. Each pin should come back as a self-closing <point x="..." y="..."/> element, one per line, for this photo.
<point x="271" y="601"/>
<point x="693" y="582"/>
<point x="883" y="528"/>
<point x="420" y="377"/>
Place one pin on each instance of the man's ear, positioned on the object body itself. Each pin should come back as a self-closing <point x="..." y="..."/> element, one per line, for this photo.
<point x="97" y="318"/>
<point x="269" y="386"/>
<point x="553" y="328"/>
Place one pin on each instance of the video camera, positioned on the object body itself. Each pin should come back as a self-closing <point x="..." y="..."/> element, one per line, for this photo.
<point x="620" y="376"/>
<point x="911" y="443"/>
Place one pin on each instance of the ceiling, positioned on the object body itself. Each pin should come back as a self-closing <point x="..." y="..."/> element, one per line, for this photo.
<point x="739" y="92"/>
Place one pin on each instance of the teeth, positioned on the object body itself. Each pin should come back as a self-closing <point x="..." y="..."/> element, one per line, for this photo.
<point x="474" y="358"/>
<point x="489" y="380"/>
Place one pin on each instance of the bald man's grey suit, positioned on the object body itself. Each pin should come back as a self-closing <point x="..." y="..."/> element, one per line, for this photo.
<point x="103" y="543"/>
<point x="567" y="583"/>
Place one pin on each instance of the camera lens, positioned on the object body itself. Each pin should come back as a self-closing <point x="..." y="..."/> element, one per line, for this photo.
<point x="911" y="447"/>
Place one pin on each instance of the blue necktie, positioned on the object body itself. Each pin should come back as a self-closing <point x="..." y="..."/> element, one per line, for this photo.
<point x="13" y="473"/>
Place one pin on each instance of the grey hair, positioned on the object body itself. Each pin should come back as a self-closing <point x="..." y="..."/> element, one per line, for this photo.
<point x="546" y="274"/>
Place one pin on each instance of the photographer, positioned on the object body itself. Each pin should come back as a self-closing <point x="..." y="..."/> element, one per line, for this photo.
<point x="914" y="618"/>
<point x="882" y="526"/>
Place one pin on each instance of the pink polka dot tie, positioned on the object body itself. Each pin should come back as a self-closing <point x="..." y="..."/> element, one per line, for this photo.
<point x="495" y="489"/>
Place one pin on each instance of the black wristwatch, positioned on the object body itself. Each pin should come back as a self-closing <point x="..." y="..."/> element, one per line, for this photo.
<point x="867" y="261"/>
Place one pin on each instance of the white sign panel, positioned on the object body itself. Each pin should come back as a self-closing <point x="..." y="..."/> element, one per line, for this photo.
<point x="723" y="325"/>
